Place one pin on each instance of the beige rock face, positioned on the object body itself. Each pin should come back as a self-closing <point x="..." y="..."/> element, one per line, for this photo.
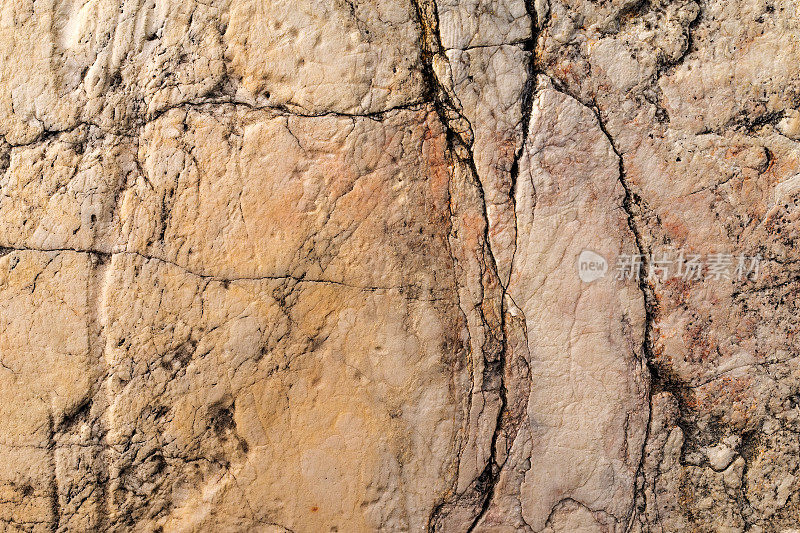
<point x="355" y="266"/>
<point x="583" y="338"/>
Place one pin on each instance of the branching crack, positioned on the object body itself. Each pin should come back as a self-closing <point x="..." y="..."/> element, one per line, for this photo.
<point x="105" y="256"/>
<point x="460" y="140"/>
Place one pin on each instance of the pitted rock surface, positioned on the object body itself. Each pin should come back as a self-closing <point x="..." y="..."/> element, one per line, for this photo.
<point x="295" y="266"/>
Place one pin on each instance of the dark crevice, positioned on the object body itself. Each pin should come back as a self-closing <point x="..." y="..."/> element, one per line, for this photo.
<point x="78" y="414"/>
<point x="130" y="129"/>
<point x="750" y="125"/>
<point x="666" y="67"/>
<point x="55" y="503"/>
<point x="659" y="379"/>
<point x="528" y="93"/>
<point x="630" y="205"/>
<point x="460" y="138"/>
<point x="521" y="43"/>
<point x="286" y="110"/>
<point x="5" y="158"/>
<point x="104" y="257"/>
<point x="488" y="479"/>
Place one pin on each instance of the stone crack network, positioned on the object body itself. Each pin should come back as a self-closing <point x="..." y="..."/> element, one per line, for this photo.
<point x="339" y="265"/>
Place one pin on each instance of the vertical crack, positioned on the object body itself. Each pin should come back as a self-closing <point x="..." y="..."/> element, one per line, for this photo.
<point x="630" y="204"/>
<point x="460" y="136"/>
<point x="55" y="503"/>
<point x="493" y="469"/>
<point x="528" y="92"/>
<point x="460" y="140"/>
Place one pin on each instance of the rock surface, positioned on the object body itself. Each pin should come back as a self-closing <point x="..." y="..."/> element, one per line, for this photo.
<point x="355" y="265"/>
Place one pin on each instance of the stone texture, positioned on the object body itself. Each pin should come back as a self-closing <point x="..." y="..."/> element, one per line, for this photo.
<point x="584" y="339"/>
<point x="317" y="266"/>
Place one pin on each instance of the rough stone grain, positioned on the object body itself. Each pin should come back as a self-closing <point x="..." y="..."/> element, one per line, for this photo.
<point x="320" y="266"/>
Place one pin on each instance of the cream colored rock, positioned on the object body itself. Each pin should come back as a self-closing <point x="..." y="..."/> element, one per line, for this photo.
<point x="104" y="62"/>
<point x="490" y="84"/>
<point x="233" y="193"/>
<point x="352" y="266"/>
<point x="48" y="373"/>
<point x="705" y="136"/>
<point x="584" y="338"/>
<point x="60" y="193"/>
<point x="477" y="23"/>
<point x="262" y="347"/>
<point x="317" y="57"/>
<point x="114" y="62"/>
<point x="304" y="404"/>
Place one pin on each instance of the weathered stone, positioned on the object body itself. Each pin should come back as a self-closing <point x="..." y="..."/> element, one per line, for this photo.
<point x="355" y="266"/>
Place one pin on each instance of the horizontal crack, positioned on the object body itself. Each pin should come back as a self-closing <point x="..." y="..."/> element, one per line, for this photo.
<point x="519" y="42"/>
<point x="277" y="111"/>
<point x="5" y="250"/>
